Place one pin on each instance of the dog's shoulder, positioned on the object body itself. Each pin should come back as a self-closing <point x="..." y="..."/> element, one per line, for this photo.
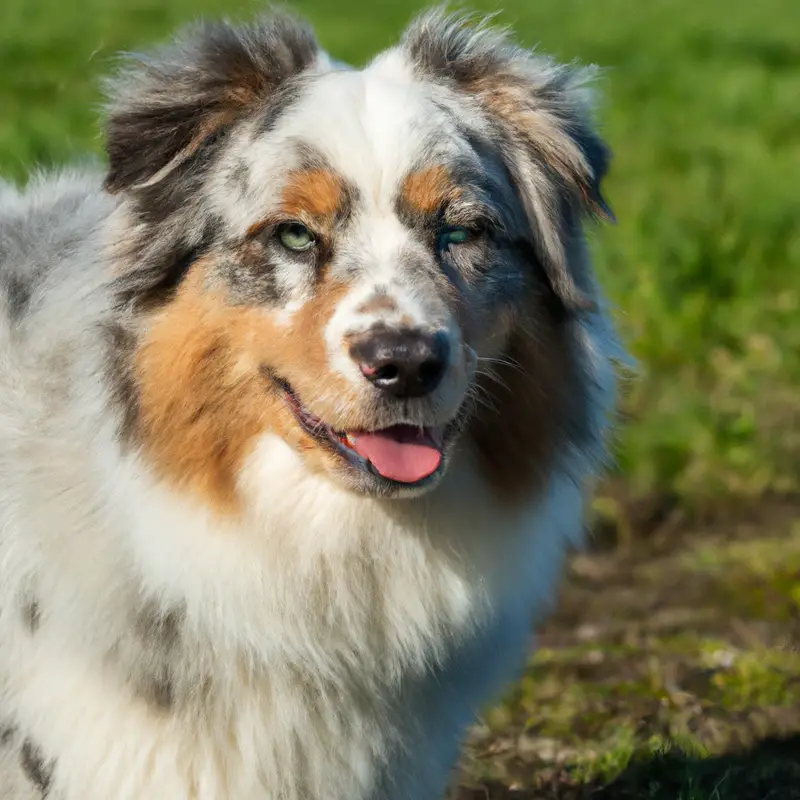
<point x="43" y="226"/>
<point x="50" y="205"/>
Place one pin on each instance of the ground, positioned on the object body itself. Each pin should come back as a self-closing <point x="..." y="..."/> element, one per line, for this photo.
<point x="677" y="639"/>
<point x="663" y="658"/>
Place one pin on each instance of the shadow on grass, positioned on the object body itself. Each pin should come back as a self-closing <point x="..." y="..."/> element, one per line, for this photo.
<point x="768" y="771"/>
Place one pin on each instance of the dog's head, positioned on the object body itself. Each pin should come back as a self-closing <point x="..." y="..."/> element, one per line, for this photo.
<point x="373" y="265"/>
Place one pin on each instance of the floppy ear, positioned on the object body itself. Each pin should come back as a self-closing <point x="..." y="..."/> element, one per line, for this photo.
<point x="539" y="114"/>
<point x="164" y="109"/>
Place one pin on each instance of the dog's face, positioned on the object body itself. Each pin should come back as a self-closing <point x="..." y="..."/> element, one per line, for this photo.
<point x="372" y="265"/>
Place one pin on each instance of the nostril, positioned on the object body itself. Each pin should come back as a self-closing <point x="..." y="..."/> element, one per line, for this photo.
<point x="387" y="373"/>
<point x="383" y="373"/>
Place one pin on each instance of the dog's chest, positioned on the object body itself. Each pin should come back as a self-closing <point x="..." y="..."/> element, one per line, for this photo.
<point x="337" y="691"/>
<point x="281" y="729"/>
<point x="336" y="659"/>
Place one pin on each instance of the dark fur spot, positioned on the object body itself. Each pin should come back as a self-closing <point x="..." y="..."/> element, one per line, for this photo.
<point x="419" y="220"/>
<point x="150" y="288"/>
<point x="7" y="733"/>
<point x="31" y="615"/>
<point x="157" y="690"/>
<point x="18" y="294"/>
<point x="350" y="200"/>
<point x="155" y="205"/>
<point x="124" y="394"/>
<point x="151" y="284"/>
<point x="249" y="273"/>
<point x="160" y="632"/>
<point x="552" y="301"/>
<point x="160" y="627"/>
<point x="598" y="155"/>
<point x="239" y="177"/>
<point x="283" y="98"/>
<point x="39" y="771"/>
<point x="445" y="47"/>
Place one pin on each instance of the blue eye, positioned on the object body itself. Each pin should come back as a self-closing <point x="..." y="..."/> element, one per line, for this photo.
<point x="450" y="236"/>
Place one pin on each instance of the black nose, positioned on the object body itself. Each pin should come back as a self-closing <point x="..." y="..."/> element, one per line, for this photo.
<point x="402" y="362"/>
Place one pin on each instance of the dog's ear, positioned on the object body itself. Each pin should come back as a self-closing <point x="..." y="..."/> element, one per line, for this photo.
<point x="165" y="107"/>
<point x="538" y="113"/>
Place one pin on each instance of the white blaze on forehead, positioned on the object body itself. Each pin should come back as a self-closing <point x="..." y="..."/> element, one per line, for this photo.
<point x="372" y="126"/>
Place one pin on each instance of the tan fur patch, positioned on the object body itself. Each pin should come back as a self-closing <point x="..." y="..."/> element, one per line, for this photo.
<point x="204" y="397"/>
<point x="318" y="198"/>
<point x="315" y="193"/>
<point x="531" y="403"/>
<point x="427" y="190"/>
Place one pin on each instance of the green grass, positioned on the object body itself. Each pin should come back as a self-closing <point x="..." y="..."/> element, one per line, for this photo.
<point x="705" y="265"/>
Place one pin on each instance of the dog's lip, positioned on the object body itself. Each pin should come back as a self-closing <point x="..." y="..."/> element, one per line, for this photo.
<point x="342" y="442"/>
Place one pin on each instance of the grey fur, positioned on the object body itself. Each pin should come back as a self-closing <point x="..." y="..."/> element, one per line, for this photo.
<point x="159" y="631"/>
<point x="541" y="115"/>
<point x="31" y="616"/>
<point x="25" y="262"/>
<point x="7" y="733"/>
<point x="18" y="295"/>
<point x="124" y="393"/>
<point x="38" y="770"/>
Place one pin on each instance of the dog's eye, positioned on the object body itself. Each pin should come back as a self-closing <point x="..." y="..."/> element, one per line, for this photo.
<point x="455" y="235"/>
<point x="294" y="236"/>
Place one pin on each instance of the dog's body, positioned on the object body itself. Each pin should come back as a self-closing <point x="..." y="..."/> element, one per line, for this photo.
<point x="207" y="592"/>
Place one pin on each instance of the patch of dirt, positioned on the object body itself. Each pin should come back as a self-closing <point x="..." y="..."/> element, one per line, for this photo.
<point x="673" y="660"/>
<point x="770" y="771"/>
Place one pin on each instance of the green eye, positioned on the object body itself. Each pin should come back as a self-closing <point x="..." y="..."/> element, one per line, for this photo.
<point x="451" y="236"/>
<point x="294" y="236"/>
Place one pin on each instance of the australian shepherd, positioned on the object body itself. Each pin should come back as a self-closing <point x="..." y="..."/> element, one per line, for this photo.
<point x="299" y="401"/>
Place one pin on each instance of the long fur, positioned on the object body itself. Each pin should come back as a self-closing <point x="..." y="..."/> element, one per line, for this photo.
<point x="196" y="602"/>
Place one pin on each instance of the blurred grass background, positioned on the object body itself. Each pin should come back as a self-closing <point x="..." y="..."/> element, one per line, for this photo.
<point x="675" y="641"/>
<point x="702" y="111"/>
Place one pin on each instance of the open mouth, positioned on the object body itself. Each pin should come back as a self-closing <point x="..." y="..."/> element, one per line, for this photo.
<point x="409" y="455"/>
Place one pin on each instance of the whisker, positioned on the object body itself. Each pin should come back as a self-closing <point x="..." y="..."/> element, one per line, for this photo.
<point x="493" y="376"/>
<point x="503" y="362"/>
<point x="481" y="397"/>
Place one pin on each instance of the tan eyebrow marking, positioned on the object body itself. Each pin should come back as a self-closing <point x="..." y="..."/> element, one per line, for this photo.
<point x="427" y="190"/>
<point x="318" y="197"/>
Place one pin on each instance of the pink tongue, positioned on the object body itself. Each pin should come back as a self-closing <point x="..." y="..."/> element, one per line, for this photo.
<point x="401" y="453"/>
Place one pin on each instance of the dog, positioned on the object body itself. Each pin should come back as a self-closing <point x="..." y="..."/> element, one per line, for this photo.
<point x="301" y="399"/>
